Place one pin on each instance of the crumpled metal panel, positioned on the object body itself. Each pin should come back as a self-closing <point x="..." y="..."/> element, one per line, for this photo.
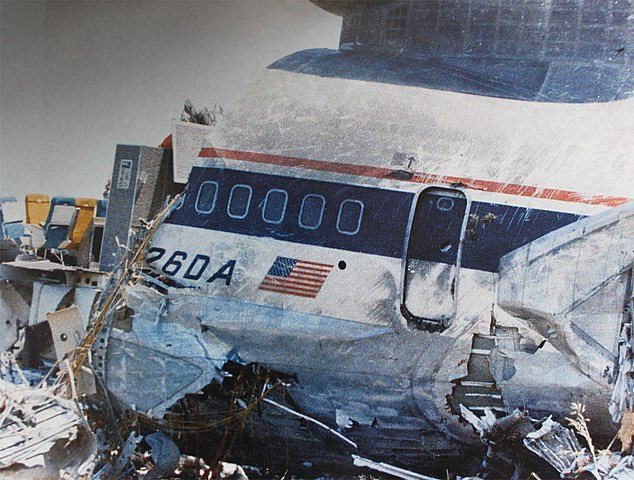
<point x="14" y="313"/>
<point x="376" y="377"/>
<point x="554" y="273"/>
<point x="570" y="286"/>
<point x="161" y="359"/>
<point x="46" y="298"/>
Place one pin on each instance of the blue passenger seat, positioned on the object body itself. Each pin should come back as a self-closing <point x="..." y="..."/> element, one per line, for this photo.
<point x="60" y="221"/>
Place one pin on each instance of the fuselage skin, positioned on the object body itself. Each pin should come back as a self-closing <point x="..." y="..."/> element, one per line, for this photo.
<point x="363" y="363"/>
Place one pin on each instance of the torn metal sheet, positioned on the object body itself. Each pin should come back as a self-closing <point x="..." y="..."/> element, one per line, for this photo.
<point x="119" y="466"/>
<point x="164" y="451"/>
<point x="9" y="273"/>
<point x="28" y="268"/>
<point x="40" y="265"/>
<point x="560" y="447"/>
<point x="557" y="445"/>
<point x="232" y="471"/>
<point x="157" y="360"/>
<point x="572" y="264"/>
<point x="571" y="286"/>
<point x="14" y="312"/>
<point x="67" y="330"/>
<point x="200" y="117"/>
<point x="46" y="298"/>
<point x="84" y="301"/>
<point x="552" y="442"/>
<point x="622" y="401"/>
<point x="176" y="344"/>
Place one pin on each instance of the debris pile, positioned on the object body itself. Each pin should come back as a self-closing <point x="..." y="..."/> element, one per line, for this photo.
<point x="552" y="442"/>
<point x="38" y="431"/>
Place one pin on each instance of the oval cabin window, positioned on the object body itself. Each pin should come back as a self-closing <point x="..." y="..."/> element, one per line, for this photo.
<point x="349" y="219"/>
<point x="239" y="201"/>
<point x="206" y="199"/>
<point x="274" y="206"/>
<point x="312" y="211"/>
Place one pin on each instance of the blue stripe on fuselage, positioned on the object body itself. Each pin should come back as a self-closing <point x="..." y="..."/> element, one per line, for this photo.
<point x="493" y="229"/>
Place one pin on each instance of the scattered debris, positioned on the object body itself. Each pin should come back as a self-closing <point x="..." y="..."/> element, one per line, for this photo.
<point x="312" y="420"/>
<point x="231" y="471"/>
<point x="43" y="430"/>
<point x="622" y="401"/>
<point x="131" y="293"/>
<point x="118" y="366"/>
<point x="555" y="444"/>
<point x="164" y="451"/>
<point x="389" y="469"/>
<point x="552" y="442"/>
<point x="200" y="117"/>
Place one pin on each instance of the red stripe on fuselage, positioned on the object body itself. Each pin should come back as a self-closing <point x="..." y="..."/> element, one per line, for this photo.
<point x="395" y="174"/>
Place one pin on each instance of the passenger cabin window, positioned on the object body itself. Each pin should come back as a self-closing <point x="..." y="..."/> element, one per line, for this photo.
<point x="206" y="199"/>
<point x="350" y="215"/>
<point x="312" y="211"/>
<point x="432" y="264"/>
<point x="274" y="206"/>
<point x="239" y="201"/>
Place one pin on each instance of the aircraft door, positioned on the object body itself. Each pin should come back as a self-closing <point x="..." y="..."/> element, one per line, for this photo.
<point x="432" y="260"/>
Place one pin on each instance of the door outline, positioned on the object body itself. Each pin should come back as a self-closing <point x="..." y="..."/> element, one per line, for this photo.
<point x="427" y="323"/>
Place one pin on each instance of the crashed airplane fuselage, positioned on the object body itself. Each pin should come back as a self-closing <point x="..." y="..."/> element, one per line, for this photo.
<point x="399" y="237"/>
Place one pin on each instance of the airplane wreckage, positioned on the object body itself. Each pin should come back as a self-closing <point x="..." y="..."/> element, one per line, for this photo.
<point x="396" y="255"/>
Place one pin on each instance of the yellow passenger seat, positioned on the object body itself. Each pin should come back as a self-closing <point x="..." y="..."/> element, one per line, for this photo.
<point x="85" y="212"/>
<point x="37" y="207"/>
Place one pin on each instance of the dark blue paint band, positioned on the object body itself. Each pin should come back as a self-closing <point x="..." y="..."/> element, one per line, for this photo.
<point x="493" y="230"/>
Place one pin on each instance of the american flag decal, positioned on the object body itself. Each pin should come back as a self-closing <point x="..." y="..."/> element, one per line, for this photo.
<point x="296" y="277"/>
